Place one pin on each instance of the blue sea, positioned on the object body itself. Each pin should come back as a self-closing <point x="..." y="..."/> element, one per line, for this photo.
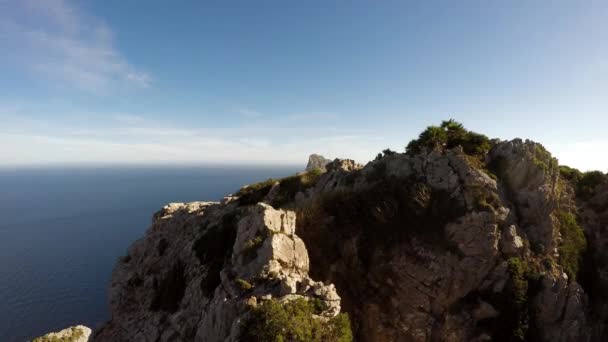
<point x="62" y="229"/>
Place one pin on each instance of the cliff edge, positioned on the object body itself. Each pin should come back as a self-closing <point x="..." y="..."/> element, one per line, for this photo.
<point x="460" y="238"/>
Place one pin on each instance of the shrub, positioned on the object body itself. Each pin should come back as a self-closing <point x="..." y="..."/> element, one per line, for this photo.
<point x="385" y="152"/>
<point x="274" y="321"/>
<point x="449" y="135"/>
<point x="243" y="284"/>
<point x="584" y="183"/>
<point x="585" y="187"/>
<point x="570" y="174"/>
<point x="315" y="172"/>
<point x="518" y="295"/>
<point x="573" y="243"/>
<point x="288" y="187"/>
<point x="255" y="193"/>
<point x="432" y="137"/>
<point x="543" y="159"/>
<point x="384" y="214"/>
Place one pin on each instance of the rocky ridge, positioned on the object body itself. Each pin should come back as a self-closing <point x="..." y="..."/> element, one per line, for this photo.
<point x="447" y="242"/>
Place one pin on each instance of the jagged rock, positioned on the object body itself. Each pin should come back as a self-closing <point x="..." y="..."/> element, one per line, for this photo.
<point x="530" y="174"/>
<point x="316" y="161"/>
<point x="78" y="333"/>
<point x="433" y="246"/>
<point x="511" y="243"/>
<point x="343" y="164"/>
<point x="560" y="310"/>
<point x="484" y="310"/>
<point x="170" y="288"/>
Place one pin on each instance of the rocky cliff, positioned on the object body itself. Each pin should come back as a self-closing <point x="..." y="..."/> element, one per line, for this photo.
<point x="458" y="239"/>
<point x="316" y="161"/>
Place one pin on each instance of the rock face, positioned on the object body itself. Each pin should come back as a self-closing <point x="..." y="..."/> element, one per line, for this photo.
<point x="316" y="161"/>
<point x="78" y="333"/>
<point x="437" y="245"/>
<point x="202" y="267"/>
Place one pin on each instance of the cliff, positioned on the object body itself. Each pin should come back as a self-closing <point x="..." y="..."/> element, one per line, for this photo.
<point x="461" y="238"/>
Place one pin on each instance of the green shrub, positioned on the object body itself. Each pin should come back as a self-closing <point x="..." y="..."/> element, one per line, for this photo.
<point x="293" y="321"/>
<point x="584" y="183"/>
<point x="387" y="212"/>
<point x="243" y="284"/>
<point x="570" y="174"/>
<point x="385" y="152"/>
<point x="573" y="243"/>
<point x="256" y="192"/>
<point x="288" y="187"/>
<point x="518" y="296"/>
<point x="585" y="187"/>
<point x="315" y="172"/>
<point x="431" y="137"/>
<point x="449" y="135"/>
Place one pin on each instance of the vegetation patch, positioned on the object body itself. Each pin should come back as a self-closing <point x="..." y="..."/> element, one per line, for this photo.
<point x="75" y="334"/>
<point x="288" y="188"/>
<point x="515" y="322"/>
<point x="250" y="249"/>
<point x="584" y="183"/>
<point x="573" y="244"/>
<point x="383" y="215"/>
<point x="293" y="321"/>
<point x="543" y="159"/>
<point x="243" y="284"/>
<point x="518" y="291"/>
<point x="385" y="153"/>
<point x="449" y="135"/>
<point x="255" y="193"/>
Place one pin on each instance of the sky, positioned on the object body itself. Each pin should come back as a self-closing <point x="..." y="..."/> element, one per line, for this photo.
<point x="270" y="82"/>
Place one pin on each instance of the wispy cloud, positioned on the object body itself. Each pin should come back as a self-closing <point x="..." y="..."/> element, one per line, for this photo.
<point x="128" y="138"/>
<point x="54" y="39"/>
<point x="249" y="113"/>
<point x="312" y="116"/>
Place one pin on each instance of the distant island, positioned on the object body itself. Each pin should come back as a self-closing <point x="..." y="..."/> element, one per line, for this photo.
<point x="458" y="238"/>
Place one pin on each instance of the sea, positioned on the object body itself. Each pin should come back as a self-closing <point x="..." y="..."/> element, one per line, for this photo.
<point x="63" y="228"/>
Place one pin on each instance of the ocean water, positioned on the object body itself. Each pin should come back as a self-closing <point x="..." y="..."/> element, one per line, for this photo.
<point x="62" y="229"/>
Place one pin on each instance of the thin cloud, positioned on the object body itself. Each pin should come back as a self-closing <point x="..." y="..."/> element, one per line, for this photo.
<point x="312" y="116"/>
<point x="68" y="46"/>
<point x="127" y="138"/>
<point x="249" y="113"/>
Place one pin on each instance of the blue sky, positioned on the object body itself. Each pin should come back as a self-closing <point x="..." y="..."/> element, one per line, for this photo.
<point x="273" y="81"/>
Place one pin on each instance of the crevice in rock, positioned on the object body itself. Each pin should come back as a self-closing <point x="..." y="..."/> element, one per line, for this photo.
<point x="170" y="290"/>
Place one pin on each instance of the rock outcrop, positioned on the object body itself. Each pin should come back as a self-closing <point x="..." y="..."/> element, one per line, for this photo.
<point x="78" y="333"/>
<point x="316" y="161"/>
<point x="437" y="244"/>
<point x="201" y="269"/>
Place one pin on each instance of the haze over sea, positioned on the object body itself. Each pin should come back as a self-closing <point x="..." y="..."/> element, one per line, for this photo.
<point x="62" y="230"/>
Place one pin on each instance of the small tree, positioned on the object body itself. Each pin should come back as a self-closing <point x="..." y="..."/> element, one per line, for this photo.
<point x="449" y="135"/>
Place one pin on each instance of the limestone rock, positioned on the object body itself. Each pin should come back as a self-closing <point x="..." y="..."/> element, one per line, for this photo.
<point x="316" y="161"/>
<point x="414" y="247"/>
<point x="78" y="333"/>
<point x="511" y="243"/>
<point x="201" y="266"/>
<point x="530" y="174"/>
